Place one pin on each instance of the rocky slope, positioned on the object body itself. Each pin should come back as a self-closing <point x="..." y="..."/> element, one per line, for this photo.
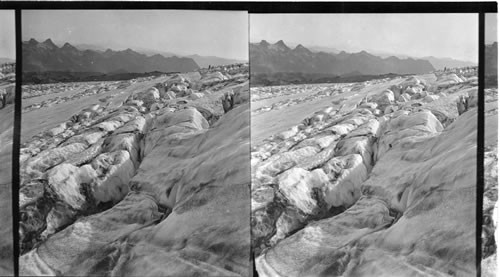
<point x="491" y="65"/>
<point x="154" y="184"/>
<point x="46" y="56"/>
<point x="6" y="236"/>
<point x="381" y="181"/>
<point x="490" y="199"/>
<point x="7" y="93"/>
<point x="491" y="59"/>
<point x="272" y="58"/>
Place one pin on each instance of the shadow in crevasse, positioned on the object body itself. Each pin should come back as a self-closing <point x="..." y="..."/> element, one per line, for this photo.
<point x="207" y="232"/>
<point x="92" y="244"/>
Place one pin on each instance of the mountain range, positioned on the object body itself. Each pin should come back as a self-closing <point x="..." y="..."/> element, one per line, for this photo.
<point x="46" y="56"/>
<point x="441" y="63"/>
<point x="202" y="61"/>
<point x="278" y="57"/>
<point x="437" y="62"/>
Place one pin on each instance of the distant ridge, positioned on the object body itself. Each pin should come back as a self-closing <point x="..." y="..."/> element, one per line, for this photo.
<point x="437" y="62"/>
<point x="46" y="56"/>
<point x="278" y="57"/>
<point x="441" y="63"/>
<point x="202" y="61"/>
<point x="205" y="61"/>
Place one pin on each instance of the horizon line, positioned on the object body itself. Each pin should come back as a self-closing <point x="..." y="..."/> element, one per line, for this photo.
<point x="58" y="44"/>
<point x="368" y="51"/>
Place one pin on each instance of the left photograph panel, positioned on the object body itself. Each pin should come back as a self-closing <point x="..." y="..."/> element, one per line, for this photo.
<point x="7" y="91"/>
<point x="135" y="143"/>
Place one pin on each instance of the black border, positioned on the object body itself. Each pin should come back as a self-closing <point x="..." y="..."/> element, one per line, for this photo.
<point x="480" y="145"/>
<point x="16" y="144"/>
<point x="271" y="7"/>
<point x="261" y="7"/>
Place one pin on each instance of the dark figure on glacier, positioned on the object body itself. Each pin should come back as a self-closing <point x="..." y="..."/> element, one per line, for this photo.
<point x="228" y="101"/>
<point x="3" y="97"/>
<point x="462" y="104"/>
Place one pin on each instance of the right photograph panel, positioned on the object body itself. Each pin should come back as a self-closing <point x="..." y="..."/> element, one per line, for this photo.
<point x="364" y="141"/>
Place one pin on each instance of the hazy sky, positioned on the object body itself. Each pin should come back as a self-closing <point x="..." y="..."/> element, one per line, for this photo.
<point x="419" y="35"/>
<point x="208" y="33"/>
<point x="490" y="28"/>
<point x="7" y="35"/>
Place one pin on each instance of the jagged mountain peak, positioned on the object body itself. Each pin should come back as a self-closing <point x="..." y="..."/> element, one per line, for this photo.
<point x="47" y="56"/>
<point x="280" y="46"/>
<point x="68" y="46"/>
<point x="33" y="41"/>
<point x="280" y="43"/>
<point x="50" y="43"/>
<point x="264" y="43"/>
<point x="300" y="47"/>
